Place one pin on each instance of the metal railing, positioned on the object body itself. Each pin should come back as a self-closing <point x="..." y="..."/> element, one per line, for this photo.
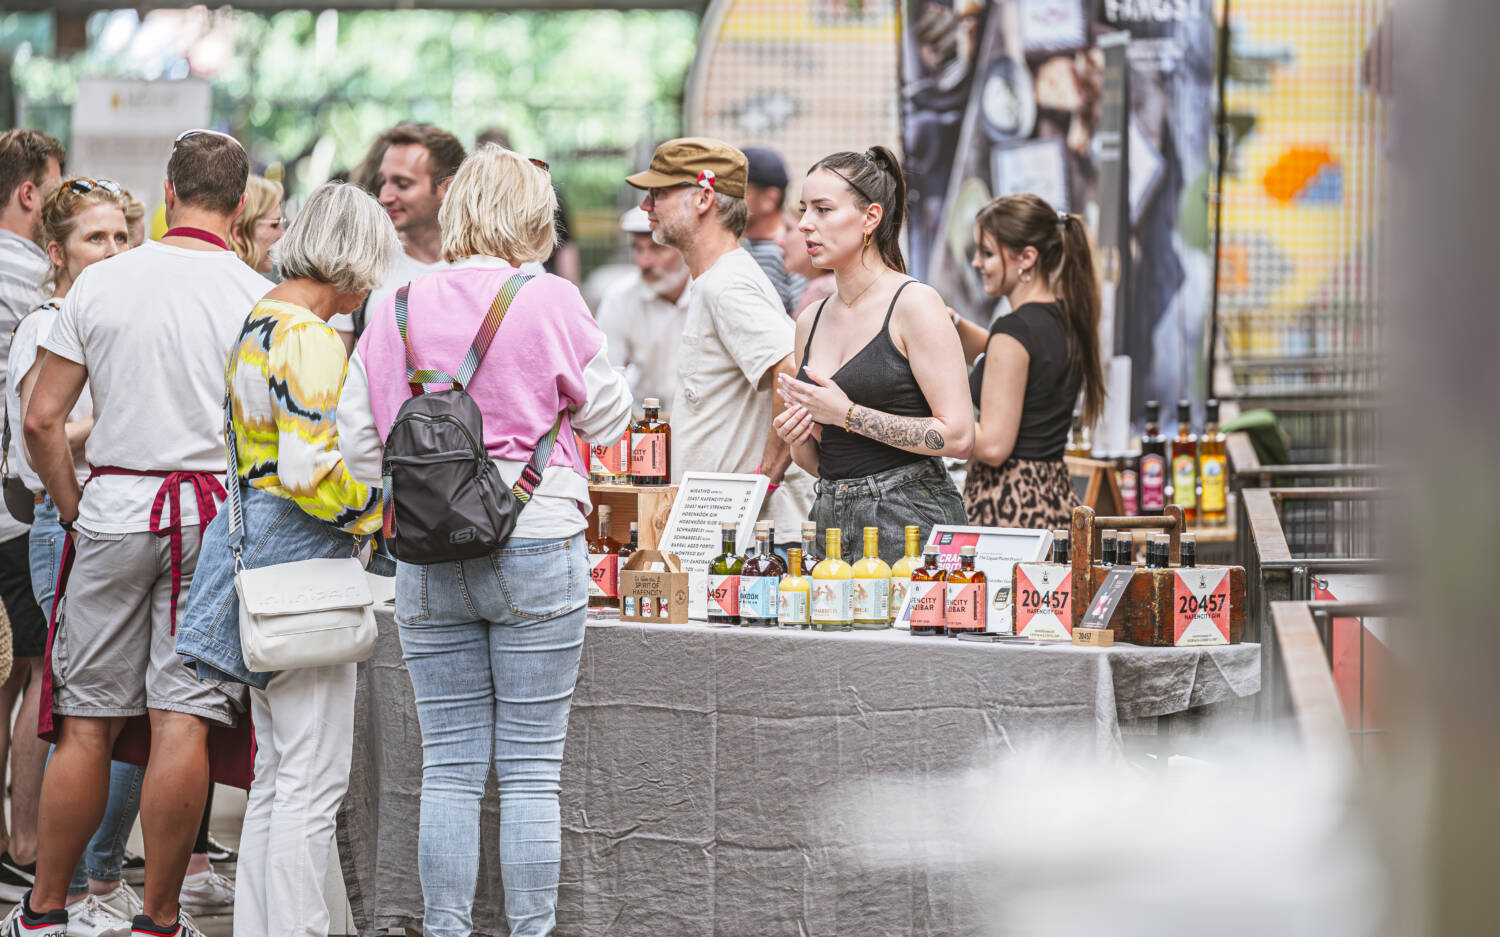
<point x="1327" y="715"/>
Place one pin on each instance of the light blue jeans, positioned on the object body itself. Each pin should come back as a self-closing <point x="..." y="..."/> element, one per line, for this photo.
<point x="492" y="645"/>
<point x="105" y="856"/>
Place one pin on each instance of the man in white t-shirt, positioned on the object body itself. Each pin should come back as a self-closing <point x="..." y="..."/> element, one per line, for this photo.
<point x="415" y="170"/>
<point x="642" y="316"/>
<point x="148" y="331"/>
<point x="737" y="337"/>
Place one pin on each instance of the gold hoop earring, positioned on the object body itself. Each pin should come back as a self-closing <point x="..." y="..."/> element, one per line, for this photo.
<point x="867" y="239"/>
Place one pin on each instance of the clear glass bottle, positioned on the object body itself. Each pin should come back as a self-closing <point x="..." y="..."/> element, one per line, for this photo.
<point x="872" y="586"/>
<point x="833" y="587"/>
<point x="967" y="603"/>
<point x="792" y="594"/>
<point x="724" y="580"/>
<point x="604" y="563"/>
<point x="929" y="596"/>
<point x="903" y="568"/>
<point x="810" y="555"/>
<point x="651" y="447"/>
<point x="1078" y="438"/>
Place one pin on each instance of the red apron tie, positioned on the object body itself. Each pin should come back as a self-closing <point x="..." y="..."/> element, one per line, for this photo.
<point x="206" y="487"/>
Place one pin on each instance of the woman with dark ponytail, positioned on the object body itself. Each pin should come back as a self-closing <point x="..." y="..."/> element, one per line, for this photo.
<point x="1036" y="360"/>
<point x="880" y="397"/>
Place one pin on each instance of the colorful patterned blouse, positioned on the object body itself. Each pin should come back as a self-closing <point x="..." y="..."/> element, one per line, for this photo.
<point x="286" y="371"/>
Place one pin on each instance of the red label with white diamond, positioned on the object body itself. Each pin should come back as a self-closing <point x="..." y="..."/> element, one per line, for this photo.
<point x="724" y="595"/>
<point x="613" y="459"/>
<point x="1044" y="601"/>
<point x="1200" y="607"/>
<point x="604" y="574"/>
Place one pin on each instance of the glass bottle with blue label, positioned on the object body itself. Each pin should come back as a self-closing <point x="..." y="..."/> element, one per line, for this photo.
<point x="760" y="579"/>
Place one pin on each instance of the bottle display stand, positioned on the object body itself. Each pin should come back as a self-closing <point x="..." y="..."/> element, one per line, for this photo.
<point x="1094" y="480"/>
<point x="649" y="506"/>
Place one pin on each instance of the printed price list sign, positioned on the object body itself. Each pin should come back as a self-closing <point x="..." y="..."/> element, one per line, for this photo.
<point x="705" y="501"/>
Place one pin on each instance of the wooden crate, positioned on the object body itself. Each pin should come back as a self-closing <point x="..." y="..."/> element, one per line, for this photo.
<point x="650" y="506"/>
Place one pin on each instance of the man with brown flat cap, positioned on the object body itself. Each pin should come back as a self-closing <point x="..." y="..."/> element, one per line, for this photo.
<point x="737" y="335"/>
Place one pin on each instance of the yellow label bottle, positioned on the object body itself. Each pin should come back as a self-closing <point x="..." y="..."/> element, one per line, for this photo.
<point x="1213" y="469"/>
<point x="833" y="588"/>
<point x="908" y="564"/>
<point x="792" y="595"/>
<point x="872" y="585"/>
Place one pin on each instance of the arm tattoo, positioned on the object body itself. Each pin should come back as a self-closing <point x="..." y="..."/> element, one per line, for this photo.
<point x="903" y="432"/>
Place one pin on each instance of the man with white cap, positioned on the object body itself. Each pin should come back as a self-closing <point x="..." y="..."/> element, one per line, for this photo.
<point x="642" y="316"/>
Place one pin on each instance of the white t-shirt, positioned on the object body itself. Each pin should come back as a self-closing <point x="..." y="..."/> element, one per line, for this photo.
<point x="736" y="330"/>
<point x="643" y="328"/>
<point x="154" y="327"/>
<point x="23" y="354"/>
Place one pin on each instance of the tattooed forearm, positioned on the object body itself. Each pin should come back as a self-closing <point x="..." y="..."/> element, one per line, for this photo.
<point x="903" y="432"/>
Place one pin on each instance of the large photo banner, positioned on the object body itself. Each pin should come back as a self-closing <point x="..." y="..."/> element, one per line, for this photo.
<point x="1102" y="107"/>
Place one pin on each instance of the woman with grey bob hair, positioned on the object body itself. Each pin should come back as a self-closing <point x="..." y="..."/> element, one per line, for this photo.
<point x="284" y="377"/>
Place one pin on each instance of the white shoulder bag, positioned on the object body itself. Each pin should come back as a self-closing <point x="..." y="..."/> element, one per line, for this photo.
<point x="308" y="613"/>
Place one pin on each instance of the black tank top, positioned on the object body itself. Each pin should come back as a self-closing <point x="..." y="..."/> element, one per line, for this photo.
<point x="878" y="377"/>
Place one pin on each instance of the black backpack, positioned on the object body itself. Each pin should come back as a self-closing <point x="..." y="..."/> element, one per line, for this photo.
<point x="444" y="499"/>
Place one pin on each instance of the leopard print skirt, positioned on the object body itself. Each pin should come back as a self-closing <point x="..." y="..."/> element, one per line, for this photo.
<point x="1026" y="493"/>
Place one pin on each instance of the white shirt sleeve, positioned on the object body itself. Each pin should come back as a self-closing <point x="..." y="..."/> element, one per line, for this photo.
<point x="755" y="330"/>
<point x="359" y="440"/>
<point x="605" y="414"/>
<point x="66" y="338"/>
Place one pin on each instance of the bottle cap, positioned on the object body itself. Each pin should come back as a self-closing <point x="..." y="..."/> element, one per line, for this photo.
<point x="1189" y="539"/>
<point x="729" y="525"/>
<point x="635" y="525"/>
<point x="965" y="551"/>
<point x="872" y="530"/>
<point x="651" y="403"/>
<point x="605" y="511"/>
<point x="1061" y="535"/>
<point x="808" y="527"/>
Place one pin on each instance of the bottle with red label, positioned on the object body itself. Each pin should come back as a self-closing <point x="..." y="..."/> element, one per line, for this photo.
<point x="651" y="447"/>
<point x="724" y="581"/>
<point x="929" y="596"/>
<point x="1153" y="471"/>
<point x="1128" y="477"/>
<point x="604" y="563"/>
<point x="610" y="465"/>
<point x="966" y="601"/>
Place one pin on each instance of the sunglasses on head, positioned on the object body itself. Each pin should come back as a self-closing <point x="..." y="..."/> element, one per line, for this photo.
<point x="540" y="164"/>
<point x="83" y="185"/>
<point x="189" y="134"/>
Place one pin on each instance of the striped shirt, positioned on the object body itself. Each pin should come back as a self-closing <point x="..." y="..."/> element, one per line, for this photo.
<point x="286" y="372"/>
<point x="23" y="268"/>
<point x="788" y="286"/>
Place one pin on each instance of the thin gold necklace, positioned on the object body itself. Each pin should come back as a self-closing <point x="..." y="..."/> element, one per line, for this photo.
<point x="849" y="303"/>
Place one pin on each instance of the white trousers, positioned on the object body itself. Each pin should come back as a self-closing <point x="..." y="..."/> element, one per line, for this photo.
<point x="304" y="737"/>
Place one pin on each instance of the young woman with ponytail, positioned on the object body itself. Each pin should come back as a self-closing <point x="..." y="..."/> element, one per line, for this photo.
<point x="880" y="396"/>
<point x="1035" y="363"/>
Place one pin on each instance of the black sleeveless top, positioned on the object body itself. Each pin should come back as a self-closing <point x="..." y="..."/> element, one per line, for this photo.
<point x="878" y="377"/>
<point x="1051" y="384"/>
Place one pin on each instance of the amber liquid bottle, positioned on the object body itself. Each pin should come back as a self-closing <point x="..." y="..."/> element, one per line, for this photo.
<point x="929" y="598"/>
<point x="628" y="550"/>
<point x="604" y="563"/>
<point x="651" y="447"/>
<point x="1153" y="464"/>
<point x="1213" y="467"/>
<point x="1184" y="463"/>
<point x="967" y="604"/>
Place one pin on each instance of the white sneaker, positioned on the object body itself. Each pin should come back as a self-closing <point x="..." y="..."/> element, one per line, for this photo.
<point x="13" y="927"/>
<point x="123" y="901"/>
<point x="206" y="893"/>
<point x="92" y="918"/>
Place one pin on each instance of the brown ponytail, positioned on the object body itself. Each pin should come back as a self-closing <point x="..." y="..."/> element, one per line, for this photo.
<point x="1064" y="255"/>
<point x="875" y="178"/>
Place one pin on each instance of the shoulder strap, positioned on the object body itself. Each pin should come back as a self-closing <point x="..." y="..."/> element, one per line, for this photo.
<point x="531" y="474"/>
<point x="807" y="349"/>
<point x="417" y="377"/>
<point x="891" y="311"/>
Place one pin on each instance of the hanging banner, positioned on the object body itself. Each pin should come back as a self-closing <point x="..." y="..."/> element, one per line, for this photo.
<point x="1103" y="108"/>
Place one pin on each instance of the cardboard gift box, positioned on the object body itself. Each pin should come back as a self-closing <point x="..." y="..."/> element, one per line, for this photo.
<point x="654" y="587"/>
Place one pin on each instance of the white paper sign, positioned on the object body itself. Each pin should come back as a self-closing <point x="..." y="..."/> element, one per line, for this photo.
<point x="705" y="501"/>
<point x="123" y="128"/>
<point x="996" y="550"/>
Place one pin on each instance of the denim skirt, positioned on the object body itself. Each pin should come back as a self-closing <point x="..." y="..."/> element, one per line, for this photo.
<point x="920" y="494"/>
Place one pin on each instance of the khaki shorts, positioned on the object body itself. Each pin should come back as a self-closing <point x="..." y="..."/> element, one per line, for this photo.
<point x="115" y="653"/>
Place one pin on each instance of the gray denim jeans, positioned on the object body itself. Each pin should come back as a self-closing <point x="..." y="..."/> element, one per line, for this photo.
<point x="920" y="493"/>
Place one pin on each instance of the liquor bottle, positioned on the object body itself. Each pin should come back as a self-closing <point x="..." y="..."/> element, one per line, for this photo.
<point x="1187" y="549"/>
<point x="872" y="586"/>
<point x="792" y="594"/>
<point x="1214" y="468"/>
<point x="610" y="465"/>
<point x="833" y="587"/>
<point x="752" y="550"/>
<point x="1128" y="477"/>
<point x="966" y="604"/>
<point x="651" y="447"/>
<point x="724" y="581"/>
<point x="1124" y="549"/>
<point x="901" y="572"/>
<point x="1153" y="463"/>
<point x="1156" y="553"/>
<point x="929" y="596"/>
<point x="810" y="556"/>
<point x="759" y="579"/>
<point x="1062" y="542"/>
<point x="1106" y="549"/>
<point x="1078" y="438"/>
<point x="628" y="550"/>
<point x="604" y="563"/>
<point x="1184" y="461"/>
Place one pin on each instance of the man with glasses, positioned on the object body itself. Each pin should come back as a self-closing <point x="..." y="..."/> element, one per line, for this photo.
<point x="31" y="165"/>
<point x="737" y="336"/>
<point x="149" y="331"/>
